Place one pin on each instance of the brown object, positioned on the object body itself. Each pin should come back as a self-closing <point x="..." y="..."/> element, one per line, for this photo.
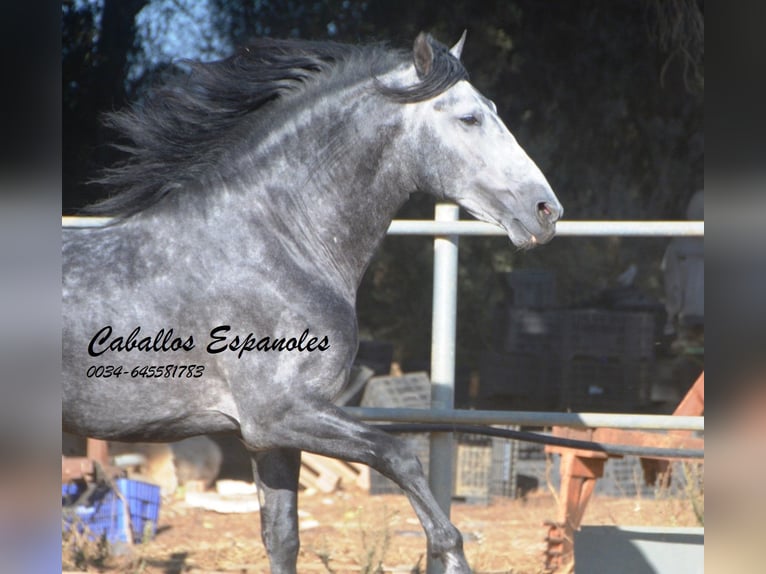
<point x="581" y="468"/>
<point x="79" y="467"/>
<point x="75" y="467"/>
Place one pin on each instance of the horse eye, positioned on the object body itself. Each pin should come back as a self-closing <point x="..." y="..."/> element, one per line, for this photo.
<point x="470" y="120"/>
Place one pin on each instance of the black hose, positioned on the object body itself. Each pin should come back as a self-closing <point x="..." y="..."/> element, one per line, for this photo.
<point x="543" y="438"/>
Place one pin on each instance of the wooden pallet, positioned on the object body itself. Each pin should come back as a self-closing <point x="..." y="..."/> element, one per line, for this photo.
<point x="328" y="474"/>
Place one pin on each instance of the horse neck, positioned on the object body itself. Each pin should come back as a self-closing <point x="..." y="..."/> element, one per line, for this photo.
<point x="328" y="182"/>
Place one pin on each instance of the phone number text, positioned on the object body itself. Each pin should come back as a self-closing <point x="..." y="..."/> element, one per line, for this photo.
<point x="146" y="371"/>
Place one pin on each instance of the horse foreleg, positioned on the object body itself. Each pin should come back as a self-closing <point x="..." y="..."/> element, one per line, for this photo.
<point x="324" y="429"/>
<point x="276" y="472"/>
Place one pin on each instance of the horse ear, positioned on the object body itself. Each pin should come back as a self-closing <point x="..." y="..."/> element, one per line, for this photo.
<point x="423" y="54"/>
<point x="457" y="49"/>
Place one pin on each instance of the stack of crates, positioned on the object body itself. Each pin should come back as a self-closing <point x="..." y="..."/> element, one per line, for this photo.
<point x="624" y="477"/>
<point x="518" y="381"/>
<point x="485" y="467"/>
<point x="505" y="461"/>
<point x="607" y="360"/>
<point x="522" y="371"/>
<point x="472" y="468"/>
<point x="409" y="391"/>
<point x="482" y="467"/>
<point x="531" y="288"/>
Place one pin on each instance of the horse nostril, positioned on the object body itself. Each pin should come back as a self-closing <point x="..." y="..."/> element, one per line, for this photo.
<point x="548" y="212"/>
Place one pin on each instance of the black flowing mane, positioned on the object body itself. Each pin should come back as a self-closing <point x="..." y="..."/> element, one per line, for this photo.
<point x="182" y="131"/>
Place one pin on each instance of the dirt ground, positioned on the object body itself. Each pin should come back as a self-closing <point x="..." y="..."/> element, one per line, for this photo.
<point x="355" y="532"/>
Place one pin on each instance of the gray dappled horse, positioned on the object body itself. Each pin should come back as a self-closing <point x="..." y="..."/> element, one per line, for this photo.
<point x="222" y="298"/>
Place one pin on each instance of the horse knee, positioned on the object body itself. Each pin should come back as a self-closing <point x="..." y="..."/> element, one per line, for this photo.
<point x="409" y="463"/>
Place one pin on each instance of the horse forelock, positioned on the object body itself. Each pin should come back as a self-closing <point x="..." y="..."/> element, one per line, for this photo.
<point x="445" y="71"/>
<point x="180" y="134"/>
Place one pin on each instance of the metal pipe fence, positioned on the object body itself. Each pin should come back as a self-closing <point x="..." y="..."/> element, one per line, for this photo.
<point x="455" y="227"/>
<point x="446" y="228"/>
<point x="563" y="228"/>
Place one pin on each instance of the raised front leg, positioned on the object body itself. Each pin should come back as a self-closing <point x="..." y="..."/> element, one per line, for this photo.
<point x="276" y="472"/>
<point x="322" y="428"/>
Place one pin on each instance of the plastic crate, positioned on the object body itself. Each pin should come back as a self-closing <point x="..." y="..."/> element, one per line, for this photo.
<point x="533" y="288"/>
<point x="412" y="390"/>
<point x="605" y="384"/>
<point x="518" y="381"/>
<point x="69" y="492"/>
<point x="505" y="460"/>
<point x="487" y="467"/>
<point x="473" y="470"/>
<point x="409" y="391"/>
<point x="104" y="513"/>
<point x="531" y="331"/>
<point x="624" y="478"/>
<point x="595" y="333"/>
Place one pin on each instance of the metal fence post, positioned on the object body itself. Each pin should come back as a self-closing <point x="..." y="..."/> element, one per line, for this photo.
<point x="443" y="361"/>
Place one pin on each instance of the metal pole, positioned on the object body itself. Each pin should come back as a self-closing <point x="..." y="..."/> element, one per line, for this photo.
<point x="444" y="319"/>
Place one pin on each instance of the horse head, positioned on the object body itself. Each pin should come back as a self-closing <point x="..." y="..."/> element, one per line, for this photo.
<point x="465" y="153"/>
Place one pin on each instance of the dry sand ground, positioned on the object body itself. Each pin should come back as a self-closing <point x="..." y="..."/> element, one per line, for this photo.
<point x="354" y="532"/>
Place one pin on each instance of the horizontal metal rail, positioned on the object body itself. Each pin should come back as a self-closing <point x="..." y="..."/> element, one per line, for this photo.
<point x="563" y="228"/>
<point x="529" y="418"/>
<point x="79" y="221"/>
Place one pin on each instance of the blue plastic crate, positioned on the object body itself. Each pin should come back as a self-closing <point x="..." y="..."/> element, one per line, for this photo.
<point x="69" y="492"/>
<point x="104" y="512"/>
